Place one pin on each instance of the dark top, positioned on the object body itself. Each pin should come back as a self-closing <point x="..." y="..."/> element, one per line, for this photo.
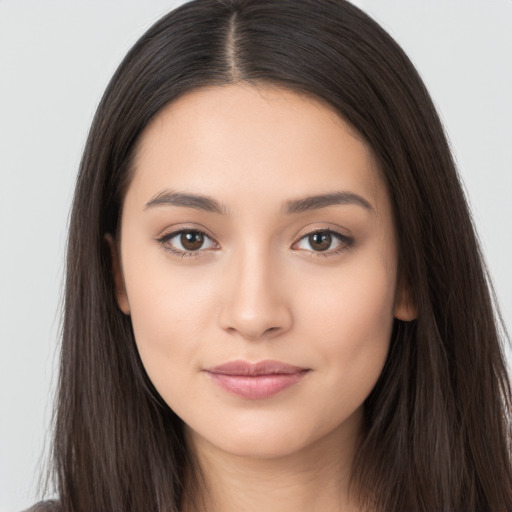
<point x="44" y="506"/>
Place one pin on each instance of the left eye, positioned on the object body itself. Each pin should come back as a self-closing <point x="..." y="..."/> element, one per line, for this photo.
<point x="323" y="241"/>
<point x="189" y="240"/>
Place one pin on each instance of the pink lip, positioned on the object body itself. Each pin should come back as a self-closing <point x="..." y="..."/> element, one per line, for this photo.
<point x="256" y="380"/>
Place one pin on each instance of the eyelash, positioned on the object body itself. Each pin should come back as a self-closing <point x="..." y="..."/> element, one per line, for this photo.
<point x="346" y="243"/>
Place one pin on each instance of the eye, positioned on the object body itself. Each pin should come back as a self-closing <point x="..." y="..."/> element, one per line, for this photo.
<point x="325" y="242"/>
<point x="186" y="242"/>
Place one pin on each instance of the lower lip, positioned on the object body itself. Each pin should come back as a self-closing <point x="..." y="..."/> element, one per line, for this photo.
<point x="257" y="386"/>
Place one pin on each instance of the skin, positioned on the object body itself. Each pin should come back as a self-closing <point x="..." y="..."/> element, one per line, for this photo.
<point x="259" y="288"/>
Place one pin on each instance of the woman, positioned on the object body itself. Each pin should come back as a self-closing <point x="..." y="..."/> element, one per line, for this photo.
<point x="275" y="299"/>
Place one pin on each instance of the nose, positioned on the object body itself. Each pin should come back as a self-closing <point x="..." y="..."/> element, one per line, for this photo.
<point x="256" y="302"/>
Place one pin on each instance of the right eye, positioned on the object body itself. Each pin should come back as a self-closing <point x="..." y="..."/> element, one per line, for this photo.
<point x="187" y="242"/>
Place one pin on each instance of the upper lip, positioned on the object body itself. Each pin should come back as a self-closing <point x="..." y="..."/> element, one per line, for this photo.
<point x="246" y="368"/>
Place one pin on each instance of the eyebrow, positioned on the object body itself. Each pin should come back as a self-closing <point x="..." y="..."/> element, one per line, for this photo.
<point x="324" y="200"/>
<point x="294" y="206"/>
<point x="198" y="202"/>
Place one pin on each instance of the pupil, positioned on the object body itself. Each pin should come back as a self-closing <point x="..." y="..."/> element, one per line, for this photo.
<point x="192" y="240"/>
<point x="320" y="241"/>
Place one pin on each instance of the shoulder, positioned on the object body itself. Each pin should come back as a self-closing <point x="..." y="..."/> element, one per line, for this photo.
<point x="44" y="506"/>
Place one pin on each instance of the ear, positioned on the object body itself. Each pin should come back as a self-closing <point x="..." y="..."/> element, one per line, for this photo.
<point x="405" y="305"/>
<point x="120" y="288"/>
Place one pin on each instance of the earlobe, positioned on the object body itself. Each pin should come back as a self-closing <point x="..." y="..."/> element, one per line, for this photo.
<point x="120" y="288"/>
<point x="405" y="305"/>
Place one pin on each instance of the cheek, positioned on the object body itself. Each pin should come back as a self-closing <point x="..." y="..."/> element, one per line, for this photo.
<point x="351" y="317"/>
<point x="169" y="315"/>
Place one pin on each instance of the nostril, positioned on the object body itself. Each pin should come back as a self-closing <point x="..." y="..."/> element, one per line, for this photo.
<point x="253" y="310"/>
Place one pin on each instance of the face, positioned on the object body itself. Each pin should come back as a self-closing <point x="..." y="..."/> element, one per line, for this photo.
<point x="258" y="262"/>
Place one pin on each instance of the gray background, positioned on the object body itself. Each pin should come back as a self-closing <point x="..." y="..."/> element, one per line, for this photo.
<point x="55" y="60"/>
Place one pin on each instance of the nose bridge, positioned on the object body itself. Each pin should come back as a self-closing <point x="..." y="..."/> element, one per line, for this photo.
<point x="257" y="305"/>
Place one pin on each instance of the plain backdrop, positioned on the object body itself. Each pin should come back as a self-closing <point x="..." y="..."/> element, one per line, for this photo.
<point x="56" y="58"/>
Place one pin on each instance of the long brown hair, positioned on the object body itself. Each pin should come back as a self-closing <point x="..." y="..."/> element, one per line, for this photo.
<point x="437" y="433"/>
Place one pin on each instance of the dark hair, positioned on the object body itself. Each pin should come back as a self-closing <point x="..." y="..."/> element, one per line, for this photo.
<point x="437" y="429"/>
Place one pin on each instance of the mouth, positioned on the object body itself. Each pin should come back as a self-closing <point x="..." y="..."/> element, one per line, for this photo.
<point x="255" y="381"/>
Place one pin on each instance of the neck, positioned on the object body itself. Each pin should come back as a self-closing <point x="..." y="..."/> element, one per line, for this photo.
<point x="315" y="478"/>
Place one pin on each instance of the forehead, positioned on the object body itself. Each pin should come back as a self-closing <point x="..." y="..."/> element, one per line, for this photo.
<point x="264" y="142"/>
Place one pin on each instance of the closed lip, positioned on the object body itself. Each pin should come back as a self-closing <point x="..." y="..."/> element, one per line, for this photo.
<point x="250" y="369"/>
<point x="256" y="381"/>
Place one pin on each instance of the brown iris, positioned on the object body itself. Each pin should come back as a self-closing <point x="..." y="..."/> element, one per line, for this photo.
<point x="320" y="241"/>
<point x="192" y="240"/>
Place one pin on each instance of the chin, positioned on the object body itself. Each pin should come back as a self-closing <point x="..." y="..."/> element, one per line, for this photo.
<point x="271" y="439"/>
<point x="265" y="447"/>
